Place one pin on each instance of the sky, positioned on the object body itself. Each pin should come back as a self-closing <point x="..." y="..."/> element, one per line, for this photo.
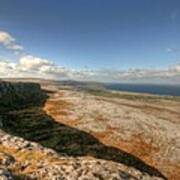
<point x="96" y="40"/>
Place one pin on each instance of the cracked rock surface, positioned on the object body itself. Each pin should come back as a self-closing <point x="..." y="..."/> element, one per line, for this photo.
<point x="56" y="132"/>
<point x="23" y="159"/>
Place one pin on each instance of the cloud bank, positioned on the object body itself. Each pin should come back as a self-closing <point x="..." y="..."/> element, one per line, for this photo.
<point x="29" y="66"/>
<point x="36" y="67"/>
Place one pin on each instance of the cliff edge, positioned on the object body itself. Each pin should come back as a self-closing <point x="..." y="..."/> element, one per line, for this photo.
<point x="21" y="158"/>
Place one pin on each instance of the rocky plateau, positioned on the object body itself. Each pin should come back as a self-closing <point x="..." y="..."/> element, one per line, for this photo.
<point x="50" y="130"/>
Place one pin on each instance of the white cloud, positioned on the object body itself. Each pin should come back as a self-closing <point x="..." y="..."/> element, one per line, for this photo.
<point x="176" y="68"/>
<point x="30" y="66"/>
<point x="15" y="47"/>
<point x="168" y="75"/>
<point x="41" y="67"/>
<point x="9" y="42"/>
<point x="33" y="63"/>
<point x="6" y="38"/>
<point x="6" y="68"/>
<point x="173" y="49"/>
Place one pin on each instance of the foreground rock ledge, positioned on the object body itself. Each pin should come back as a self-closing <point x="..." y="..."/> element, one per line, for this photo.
<point x="22" y="159"/>
<point x="27" y="160"/>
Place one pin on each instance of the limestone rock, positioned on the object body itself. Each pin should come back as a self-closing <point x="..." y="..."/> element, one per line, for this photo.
<point x="6" y="159"/>
<point x="5" y="174"/>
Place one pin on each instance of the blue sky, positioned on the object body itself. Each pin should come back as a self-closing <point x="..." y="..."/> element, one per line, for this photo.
<point x="95" y="34"/>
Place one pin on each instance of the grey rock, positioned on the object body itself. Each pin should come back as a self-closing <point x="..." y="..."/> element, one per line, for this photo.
<point x="6" y="159"/>
<point x="5" y="174"/>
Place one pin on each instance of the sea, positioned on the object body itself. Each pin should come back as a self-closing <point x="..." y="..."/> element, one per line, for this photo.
<point x="170" y="90"/>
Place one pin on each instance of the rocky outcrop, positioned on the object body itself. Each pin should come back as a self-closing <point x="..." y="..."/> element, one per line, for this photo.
<point x="5" y="174"/>
<point x="79" y="155"/>
<point x="17" y="94"/>
<point x="28" y="160"/>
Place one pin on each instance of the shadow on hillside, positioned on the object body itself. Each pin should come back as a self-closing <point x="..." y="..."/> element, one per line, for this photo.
<point x="32" y="123"/>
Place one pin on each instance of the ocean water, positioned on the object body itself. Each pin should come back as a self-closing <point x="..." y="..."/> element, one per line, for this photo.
<point x="172" y="90"/>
